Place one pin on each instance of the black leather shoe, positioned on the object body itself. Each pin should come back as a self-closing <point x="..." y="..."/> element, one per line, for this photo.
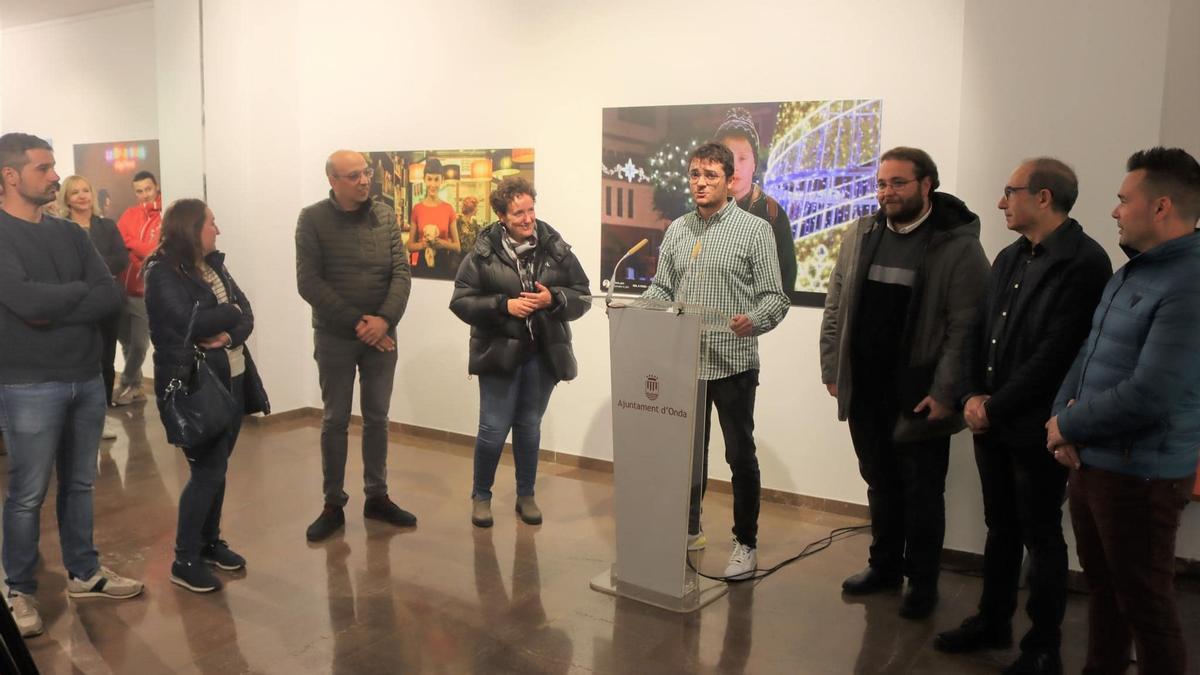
<point x="919" y="601"/>
<point x="974" y="634"/>
<point x="331" y="520"/>
<point x="871" y="580"/>
<point x="1036" y="663"/>
<point x="382" y="508"/>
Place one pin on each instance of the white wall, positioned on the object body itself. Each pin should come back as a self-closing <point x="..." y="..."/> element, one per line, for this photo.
<point x="86" y="79"/>
<point x="980" y="87"/>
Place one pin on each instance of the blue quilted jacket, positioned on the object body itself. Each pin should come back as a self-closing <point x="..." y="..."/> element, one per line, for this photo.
<point x="1136" y="380"/>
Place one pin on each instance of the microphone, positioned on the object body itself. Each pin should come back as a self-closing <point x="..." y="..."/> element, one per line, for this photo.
<point x="612" y="281"/>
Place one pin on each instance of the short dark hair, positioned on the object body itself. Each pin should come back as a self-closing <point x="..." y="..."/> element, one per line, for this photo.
<point x="714" y="152"/>
<point x="13" y="147"/>
<point x="509" y="189"/>
<point x="433" y="165"/>
<point x="920" y="159"/>
<point x="1054" y="175"/>
<point x="179" y="237"/>
<point x="145" y="175"/>
<point x="1170" y="172"/>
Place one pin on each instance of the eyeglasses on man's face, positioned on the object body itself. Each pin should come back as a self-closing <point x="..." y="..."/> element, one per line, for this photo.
<point x="1010" y="189"/>
<point x="354" y="176"/>
<point x="896" y="184"/>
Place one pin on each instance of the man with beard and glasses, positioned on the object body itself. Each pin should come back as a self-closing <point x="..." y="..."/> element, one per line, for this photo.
<point x="54" y="292"/>
<point x="901" y="302"/>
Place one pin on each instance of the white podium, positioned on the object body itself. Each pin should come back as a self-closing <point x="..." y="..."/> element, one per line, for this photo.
<point x="658" y="407"/>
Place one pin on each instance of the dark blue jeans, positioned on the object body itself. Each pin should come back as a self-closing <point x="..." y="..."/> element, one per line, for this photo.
<point x="202" y="498"/>
<point x="515" y="402"/>
<point x="49" y="424"/>
<point x="733" y="397"/>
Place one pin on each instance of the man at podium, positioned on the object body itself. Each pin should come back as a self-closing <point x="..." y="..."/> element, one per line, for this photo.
<point x="722" y="258"/>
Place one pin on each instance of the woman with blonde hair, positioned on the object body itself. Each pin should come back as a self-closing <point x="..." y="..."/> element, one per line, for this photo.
<point x="77" y="202"/>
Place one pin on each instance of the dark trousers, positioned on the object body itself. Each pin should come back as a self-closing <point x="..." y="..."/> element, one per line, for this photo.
<point x="202" y="498"/>
<point x="1125" y="530"/>
<point x="906" y="486"/>
<point x="733" y="397"/>
<point x="1023" y="489"/>
<point x="339" y="361"/>
<point x="108" y="353"/>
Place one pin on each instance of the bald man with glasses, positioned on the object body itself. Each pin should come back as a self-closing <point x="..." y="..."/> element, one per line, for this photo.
<point x="352" y="268"/>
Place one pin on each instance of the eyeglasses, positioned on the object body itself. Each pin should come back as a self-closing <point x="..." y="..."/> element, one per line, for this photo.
<point x="353" y="176"/>
<point x="897" y="184"/>
<point x="710" y="178"/>
<point x="1009" y="190"/>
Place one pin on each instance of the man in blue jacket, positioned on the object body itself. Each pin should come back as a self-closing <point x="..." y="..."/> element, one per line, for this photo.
<point x="1127" y="419"/>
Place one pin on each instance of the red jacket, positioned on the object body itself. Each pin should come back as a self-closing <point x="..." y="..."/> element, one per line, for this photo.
<point x="139" y="227"/>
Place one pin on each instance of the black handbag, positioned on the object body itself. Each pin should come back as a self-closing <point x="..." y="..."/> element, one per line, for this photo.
<point x="196" y="406"/>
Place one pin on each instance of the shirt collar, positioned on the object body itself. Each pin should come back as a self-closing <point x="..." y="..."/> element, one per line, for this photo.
<point x="913" y="225"/>
<point x="719" y="215"/>
<point x="1050" y="243"/>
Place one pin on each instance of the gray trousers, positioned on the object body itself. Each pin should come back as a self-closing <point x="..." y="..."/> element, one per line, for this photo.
<point x="134" y="334"/>
<point x="338" y="360"/>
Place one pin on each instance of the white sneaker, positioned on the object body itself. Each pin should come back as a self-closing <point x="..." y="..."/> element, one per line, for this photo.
<point x="110" y="430"/>
<point x="105" y="583"/>
<point x="697" y="542"/>
<point x="742" y="562"/>
<point x="25" y="613"/>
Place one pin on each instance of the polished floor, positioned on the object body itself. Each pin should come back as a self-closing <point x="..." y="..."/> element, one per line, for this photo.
<point x="446" y="597"/>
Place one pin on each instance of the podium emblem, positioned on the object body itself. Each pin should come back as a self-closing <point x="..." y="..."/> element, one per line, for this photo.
<point x="652" y="387"/>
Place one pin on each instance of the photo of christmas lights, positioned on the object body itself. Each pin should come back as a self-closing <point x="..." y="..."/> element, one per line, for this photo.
<point x="806" y="167"/>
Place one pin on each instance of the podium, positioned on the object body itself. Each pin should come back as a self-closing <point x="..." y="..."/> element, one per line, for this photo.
<point x="658" y="408"/>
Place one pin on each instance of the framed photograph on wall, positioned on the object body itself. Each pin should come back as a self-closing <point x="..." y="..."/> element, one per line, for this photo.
<point x="806" y="167"/>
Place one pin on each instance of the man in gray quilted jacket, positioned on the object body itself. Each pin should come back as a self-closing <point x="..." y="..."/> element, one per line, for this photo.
<point x="351" y="266"/>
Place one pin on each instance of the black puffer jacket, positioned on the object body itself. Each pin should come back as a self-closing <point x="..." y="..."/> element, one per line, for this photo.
<point x="488" y="278"/>
<point x="171" y="291"/>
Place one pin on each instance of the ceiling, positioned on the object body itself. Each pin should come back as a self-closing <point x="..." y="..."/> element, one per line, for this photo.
<point x="24" y="12"/>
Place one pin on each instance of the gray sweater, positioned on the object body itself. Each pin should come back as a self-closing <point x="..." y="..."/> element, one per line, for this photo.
<point x="351" y="263"/>
<point x="54" y="288"/>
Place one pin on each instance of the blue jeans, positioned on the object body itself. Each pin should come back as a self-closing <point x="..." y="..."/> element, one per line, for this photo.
<point x="49" y="424"/>
<point x="515" y="402"/>
<point x="203" y="497"/>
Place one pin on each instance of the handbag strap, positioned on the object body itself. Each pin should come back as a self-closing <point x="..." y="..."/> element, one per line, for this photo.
<point x="176" y="382"/>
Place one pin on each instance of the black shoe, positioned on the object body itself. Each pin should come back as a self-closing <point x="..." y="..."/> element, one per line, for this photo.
<point x="919" y="601"/>
<point x="871" y="580"/>
<point x="974" y="634"/>
<point x="1037" y="663"/>
<point x="194" y="576"/>
<point x="218" y="553"/>
<point x="331" y="520"/>
<point x="382" y="508"/>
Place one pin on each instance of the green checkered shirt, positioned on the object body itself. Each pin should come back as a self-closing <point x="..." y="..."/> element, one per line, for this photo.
<point x="735" y="271"/>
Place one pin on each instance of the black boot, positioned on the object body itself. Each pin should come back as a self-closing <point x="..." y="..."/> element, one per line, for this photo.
<point x="871" y="580"/>
<point x="331" y="520"/>
<point x="919" y="600"/>
<point x="974" y="634"/>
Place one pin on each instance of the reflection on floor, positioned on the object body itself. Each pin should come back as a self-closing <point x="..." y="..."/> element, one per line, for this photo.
<point x="449" y="598"/>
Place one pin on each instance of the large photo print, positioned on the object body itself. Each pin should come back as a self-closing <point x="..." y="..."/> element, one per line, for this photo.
<point x="806" y="167"/>
<point x="441" y="199"/>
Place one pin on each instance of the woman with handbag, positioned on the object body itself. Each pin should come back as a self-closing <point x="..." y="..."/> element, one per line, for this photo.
<point x="199" y="322"/>
<point x="517" y="288"/>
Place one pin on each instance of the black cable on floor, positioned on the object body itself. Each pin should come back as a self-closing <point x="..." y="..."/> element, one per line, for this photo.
<point x="812" y="548"/>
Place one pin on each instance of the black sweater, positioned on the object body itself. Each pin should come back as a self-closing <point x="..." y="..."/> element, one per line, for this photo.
<point x="54" y="288"/>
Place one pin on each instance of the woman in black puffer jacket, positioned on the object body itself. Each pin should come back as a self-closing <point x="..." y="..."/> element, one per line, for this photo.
<point x="518" y="287"/>
<point x="186" y="271"/>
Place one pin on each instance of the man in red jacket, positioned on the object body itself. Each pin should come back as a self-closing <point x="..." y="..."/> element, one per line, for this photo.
<point x="139" y="227"/>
